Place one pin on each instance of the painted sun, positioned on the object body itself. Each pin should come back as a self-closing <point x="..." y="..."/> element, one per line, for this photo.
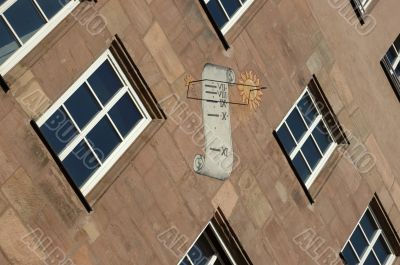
<point x="247" y="83"/>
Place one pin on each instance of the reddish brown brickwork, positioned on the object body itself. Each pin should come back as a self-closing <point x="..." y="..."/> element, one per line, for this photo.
<point x="284" y="42"/>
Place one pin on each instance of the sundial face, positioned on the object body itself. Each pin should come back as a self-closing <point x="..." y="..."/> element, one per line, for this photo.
<point x="218" y="158"/>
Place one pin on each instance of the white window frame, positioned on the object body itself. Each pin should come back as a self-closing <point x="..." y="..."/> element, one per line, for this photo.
<point x="310" y="128"/>
<point x="125" y="143"/>
<point x="392" y="257"/>
<point x="232" y="20"/>
<point x="365" y="3"/>
<point x="396" y="62"/>
<point x="27" y="47"/>
<point x="212" y="260"/>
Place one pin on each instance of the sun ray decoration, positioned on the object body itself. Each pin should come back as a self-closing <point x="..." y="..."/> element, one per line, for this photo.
<point x="188" y="79"/>
<point x="247" y="83"/>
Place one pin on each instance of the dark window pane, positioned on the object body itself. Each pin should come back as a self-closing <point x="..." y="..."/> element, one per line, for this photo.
<point x="286" y="139"/>
<point x="349" y="255"/>
<point x="103" y="139"/>
<point x="397" y="70"/>
<point x="322" y="137"/>
<point x="397" y="43"/>
<point x="80" y="164"/>
<point x="371" y="260"/>
<point x="58" y="131"/>
<point x="185" y="261"/>
<point x="301" y="167"/>
<point x="24" y="18"/>
<point x="217" y="13"/>
<point x="307" y="109"/>
<point x="381" y="250"/>
<point x="296" y="125"/>
<point x="201" y="252"/>
<point x="368" y="225"/>
<point x="51" y="7"/>
<point x="391" y="55"/>
<point x="8" y="44"/>
<point x="2" y="1"/>
<point x="105" y="82"/>
<point x="82" y="106"/>
<point x="231" y="6"/>
<point x="311" y="153"/>
<point x="359" y="242"/>
<point x="125" y="115"/>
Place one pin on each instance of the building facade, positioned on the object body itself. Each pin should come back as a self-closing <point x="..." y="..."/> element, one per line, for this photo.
<point x="100" y="128"/>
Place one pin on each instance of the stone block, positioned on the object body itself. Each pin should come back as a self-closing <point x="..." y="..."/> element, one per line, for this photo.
<point x="258" y="207"/>
<point x="12" y="243"/>
<point x="226" y="198"/>
<point x="23" y="195"/>
<point x="163" y="53"/>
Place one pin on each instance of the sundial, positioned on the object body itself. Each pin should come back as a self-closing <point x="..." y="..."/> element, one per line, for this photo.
<point x="216" y="81"/>
<point x="218" y="158"/>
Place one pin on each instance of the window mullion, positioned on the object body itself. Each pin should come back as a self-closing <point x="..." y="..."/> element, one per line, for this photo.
<point x="290" y="132"/>
<point x="94" y="94"/>
<point x="7" y="5"/>
<point x="396" y="62"/>
<point x="76" y="140"/>
<point x="71" y="118"/>
<point x="115" y="127"/>
<point x="305" y="160"/>
<point x="82" y="133"/>
<point x="301" y="115"/>
<point x="304" y="138"/>
<point x="92" y="150"/>
<point x="376" y="257"/>
<point x="38" y="8"/>
<point x="355" y="252"/>
<point x="223" y="9"/>
<point x="115" y="98"/>
<point x="12" y="30"/>
<point x="190" y="260"/>
<point x="316" y="144"/>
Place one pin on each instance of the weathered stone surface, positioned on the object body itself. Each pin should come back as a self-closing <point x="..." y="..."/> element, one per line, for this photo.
<point x="3" y="203"/>
<point x="284" y="42"/>
<point x="24" y="195"/>
<point x="8" y="165"/>
<point x="163" y="53"/>
<point x="116" y="18"/>
<point x="226" y="198"/>
<point x="83" y="256"/>
<point x="11" y="240"/>
<point x="258" y="207"/>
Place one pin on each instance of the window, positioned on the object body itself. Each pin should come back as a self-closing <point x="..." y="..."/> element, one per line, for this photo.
<point x="208" y="249"/>
<point x="216" y="245"/>
<point x="226" y="12"/>
<point x="305" y="139"/>
<point x="361" y="8"/>
<point x="94" y="122"/>
<point x="391" y="65"/>
<point x="368" y="244"/>
<point x="361" y="5"/>
<point x="23" y="23"/>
